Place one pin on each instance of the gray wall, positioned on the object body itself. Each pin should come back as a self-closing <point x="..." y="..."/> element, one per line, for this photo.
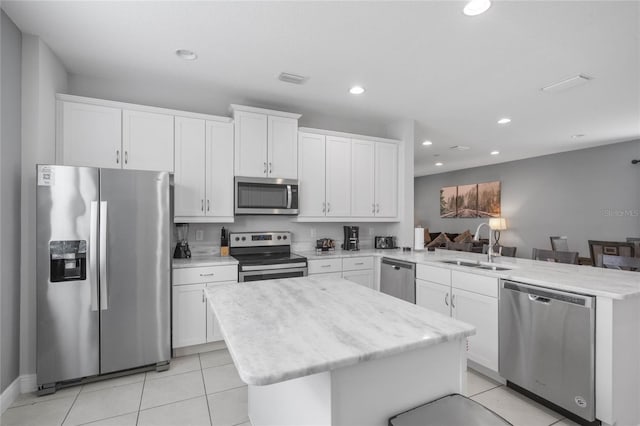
<point x="587" y="194"/>
<point x="10" y="202"/>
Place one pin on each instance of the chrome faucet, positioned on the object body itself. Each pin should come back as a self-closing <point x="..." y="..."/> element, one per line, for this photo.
<point x="476" y="237"/>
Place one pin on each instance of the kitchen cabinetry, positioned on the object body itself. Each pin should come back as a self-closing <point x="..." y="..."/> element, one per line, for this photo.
<point x="468" y="297"/>
<point x="374" y="177"/>
<point x="356" y="269"/>
<point x="324" y="164"/>
<point x="204" y="170"/>
<point x="193" y="322"/>
<point x="266" y="143"/>
<point x="96" y="133"/>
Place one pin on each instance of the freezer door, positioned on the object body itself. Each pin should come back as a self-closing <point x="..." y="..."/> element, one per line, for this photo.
<point x="66" y="274"/>
<point x="135" y="269"/>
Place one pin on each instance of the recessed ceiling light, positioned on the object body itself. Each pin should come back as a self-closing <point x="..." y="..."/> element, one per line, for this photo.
<point x="568" y="83"/>
<point x="495" y="152"/>
<point x="356" y="90"/>
<point x="476" y="7"/>
<point x="459" y="148"/>
<point x="579" y="135"/>
<point x="439" y="164"/>
<point x="427" y="143"/>
<point x="288" y="77"/>
<point x="187" y="55"/>
<point x="504" y="120"/>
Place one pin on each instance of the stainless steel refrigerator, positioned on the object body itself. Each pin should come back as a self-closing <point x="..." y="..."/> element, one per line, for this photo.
<point x="103" y="272"/>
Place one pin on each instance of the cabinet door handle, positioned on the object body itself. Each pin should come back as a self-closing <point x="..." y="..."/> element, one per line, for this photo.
<point x="446" y="299"/>
<point x="359" y="263"/>
<point x="201" y="205"/>
<point x="265" y="168"/>
<point x="126" y="157"/>
<point x="270" y="167"/>
<point x="117" y="156"/>
<point x="453" y="300"/>
<point x="203" y="296"/>
<point x="377" y="208"/>
<point x="328" y="207"/>
<point x="325" y="266"/>
<point x="374" y="208"/>
<point x="324" y="207"/>
<point x="207" y="275"/>
<point x="208" y="205"/>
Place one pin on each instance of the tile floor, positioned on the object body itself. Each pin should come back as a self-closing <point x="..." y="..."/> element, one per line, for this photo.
<point x="205" y="389"/>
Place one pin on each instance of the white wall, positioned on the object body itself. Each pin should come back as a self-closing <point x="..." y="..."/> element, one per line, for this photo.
<point x="9" y="202"/>
<point x="586" y="194"/>
<point x="43" y="75"/>
<point x="405" y="131"/>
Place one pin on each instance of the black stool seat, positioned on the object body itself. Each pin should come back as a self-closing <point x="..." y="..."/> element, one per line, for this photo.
<point x="450" y="410"/>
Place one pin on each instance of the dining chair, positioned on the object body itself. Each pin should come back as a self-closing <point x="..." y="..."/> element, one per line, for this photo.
<point x="504" y="250"/>
<point x="624" y="263"/>
<point x="559" y="243"/>
<point x="612" y="248"/>
<point x="555" y="256"/>
<point x="459" y="246"/>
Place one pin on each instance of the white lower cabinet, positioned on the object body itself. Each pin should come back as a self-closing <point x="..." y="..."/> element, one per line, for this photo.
<point x="364" y="278"/>
<point x="193" y="321"/>
<point x="359" y="270"/>
<point x="469" y="298"/>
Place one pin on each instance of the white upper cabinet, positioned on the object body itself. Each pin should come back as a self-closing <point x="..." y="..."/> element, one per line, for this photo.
<point x="98" y="133"/>
<point x="362" y="178"/>
<point x="250" y="144"/>
<point x="203" y="179"/>
<point x="312" y="175"/>
<point x="282" y="144"/>
<point x="190" y="160"/>
<point x="386" y="182"/>
<point x="89" y="135"/>
<point x="147" y="141"/>
<point x="338" y="176"/>
<point x="266" y="143"/>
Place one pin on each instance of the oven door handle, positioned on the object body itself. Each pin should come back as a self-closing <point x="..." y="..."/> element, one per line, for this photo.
<point x="281" y="267"/>
<point x="242" y="275"/>
<point x="289" y="196"/>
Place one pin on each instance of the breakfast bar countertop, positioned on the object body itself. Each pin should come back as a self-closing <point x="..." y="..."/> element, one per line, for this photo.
<point x="283" y="329"/>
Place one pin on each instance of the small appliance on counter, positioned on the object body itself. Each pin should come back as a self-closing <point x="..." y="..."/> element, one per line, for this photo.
<point x="385" y="242"/>
<point x="351" y="238"/>
<point x="224" y="242"/>
<point x="325" y="244"/>
<point x="182" y="250"/>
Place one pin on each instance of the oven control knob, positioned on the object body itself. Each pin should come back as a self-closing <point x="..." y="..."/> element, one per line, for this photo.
<point x="279" y="237"/>
<point x="244" y="238"/>
<point x="237" y="238"/>
<point x="284" y="237"/>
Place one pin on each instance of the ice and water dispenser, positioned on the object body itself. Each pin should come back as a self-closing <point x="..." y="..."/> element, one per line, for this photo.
<point x="68" y="260"/>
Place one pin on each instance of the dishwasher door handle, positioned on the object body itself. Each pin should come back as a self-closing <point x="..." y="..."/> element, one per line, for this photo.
<point x="540" y="299"/>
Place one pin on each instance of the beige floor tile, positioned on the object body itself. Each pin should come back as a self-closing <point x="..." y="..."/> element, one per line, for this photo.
<point x="178" y="365"/>
<point x="110" y="383"/>
<point x="124" y="420"/>
<point x="105" y="403"/>
<point x="224" y="377"/>
<point x="192" y="412"/>
<point x="516" y="408"/>
<point x="477" y="383"/>
<point x="32" y="398"/>
<point x="245" y="424"/>
<point x="171" y="389"/>
<point x="565" y="422"/>
<point x="215" y="358"/>
<point x="229" y="408"/>
<point x="51" y="412"/>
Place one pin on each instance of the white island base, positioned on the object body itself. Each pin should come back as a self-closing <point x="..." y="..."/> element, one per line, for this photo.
<point x="367" y="393"/>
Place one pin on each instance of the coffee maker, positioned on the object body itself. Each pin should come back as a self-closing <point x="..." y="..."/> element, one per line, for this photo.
<point x="351" y="238"/>
<point x="182" y="247"/>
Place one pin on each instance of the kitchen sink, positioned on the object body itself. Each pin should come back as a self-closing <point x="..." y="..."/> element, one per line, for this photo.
<point x="493" y="267"/>
<point x="461" y="263"/>
<point x="478" y="265"/>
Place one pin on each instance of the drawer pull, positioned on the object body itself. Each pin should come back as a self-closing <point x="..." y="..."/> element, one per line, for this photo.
<point x="325" y="266"/>
<point x="207" y="275"/>
<point x="359" y="263"/>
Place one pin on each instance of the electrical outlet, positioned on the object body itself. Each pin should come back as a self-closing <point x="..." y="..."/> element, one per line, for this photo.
<point x="199" y="235"/>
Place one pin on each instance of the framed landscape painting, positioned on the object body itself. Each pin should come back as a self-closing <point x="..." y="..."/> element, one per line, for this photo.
<point x="448" y="197"/>
<point x="489" y="199"/>
<point x="467" y="201"/>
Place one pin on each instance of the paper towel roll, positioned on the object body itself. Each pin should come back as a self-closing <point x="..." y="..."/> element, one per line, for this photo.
<point x="418" y="239"/>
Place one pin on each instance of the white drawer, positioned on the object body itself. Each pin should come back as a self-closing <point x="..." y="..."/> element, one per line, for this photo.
<point x="328" y="276"/>
<point x="321" y="266"/>
<point x="433" y="274"/>
<point x="357" y="263"/>
<point x="475" y="283"/>
<point x="206" y="274"/>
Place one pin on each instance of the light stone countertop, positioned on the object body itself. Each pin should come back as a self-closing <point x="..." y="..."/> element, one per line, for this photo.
<point x="200" y="260"/>
<point x="278" y="330"/>
<point x="609" y="283"/>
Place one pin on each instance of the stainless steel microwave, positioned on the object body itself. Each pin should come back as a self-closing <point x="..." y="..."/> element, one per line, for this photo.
<point x="266" y="196"/>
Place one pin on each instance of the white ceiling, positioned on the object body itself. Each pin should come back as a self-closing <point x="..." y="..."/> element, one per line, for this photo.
<point x="455" y="75"/>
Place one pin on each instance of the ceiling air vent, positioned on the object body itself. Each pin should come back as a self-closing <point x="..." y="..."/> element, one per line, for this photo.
<point x="459" y="148"/>
<point x="578" y="80"/>
<point x="292" y="78"/>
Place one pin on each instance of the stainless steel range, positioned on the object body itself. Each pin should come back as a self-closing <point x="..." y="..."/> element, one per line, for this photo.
<point x="265" y="256"/>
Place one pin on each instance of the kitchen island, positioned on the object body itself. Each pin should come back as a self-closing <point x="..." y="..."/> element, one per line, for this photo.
<point x="332" y="352"/>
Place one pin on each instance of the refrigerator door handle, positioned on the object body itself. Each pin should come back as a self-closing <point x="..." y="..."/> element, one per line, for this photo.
<point x="104" y="305"/>
<point x="93" y="255"/>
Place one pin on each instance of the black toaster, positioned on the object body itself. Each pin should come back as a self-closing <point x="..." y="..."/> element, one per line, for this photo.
<point x="385" y="242"/>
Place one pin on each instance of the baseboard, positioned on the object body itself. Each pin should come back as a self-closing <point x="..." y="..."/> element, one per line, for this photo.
<point x="486" y="371"/>
<point x="196" y="349"/>
<point x="22" y="384"/>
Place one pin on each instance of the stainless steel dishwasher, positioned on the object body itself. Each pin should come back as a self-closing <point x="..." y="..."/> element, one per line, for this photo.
<point x="398" y="279"/>
<point x="547" y="345"/>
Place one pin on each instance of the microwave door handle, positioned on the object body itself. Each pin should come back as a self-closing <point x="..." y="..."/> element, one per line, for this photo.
<point x="289" y="196"/>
